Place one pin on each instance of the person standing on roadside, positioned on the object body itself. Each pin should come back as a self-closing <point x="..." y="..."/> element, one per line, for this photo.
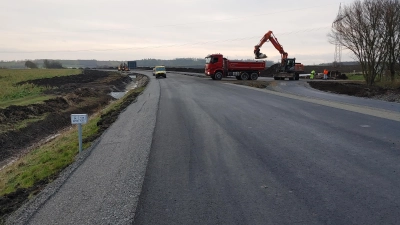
<point x="312" y="74"/>
<point x="325" y="74"/>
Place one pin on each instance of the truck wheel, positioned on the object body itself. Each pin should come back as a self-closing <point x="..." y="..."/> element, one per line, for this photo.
<point x="238" y="78"/>
<point x="297" y="76"/>
<point x="253" y="76"/>
<point x="291" y="78"/>
<point x="213" y="77"/>
<point x="218" y="75"/>
<point x="276" y="78"/>
<point x="282" y="78"/>
<point x="244" y="76"/>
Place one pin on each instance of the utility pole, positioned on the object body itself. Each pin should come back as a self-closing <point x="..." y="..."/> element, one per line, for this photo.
<point x="338" y="46"/>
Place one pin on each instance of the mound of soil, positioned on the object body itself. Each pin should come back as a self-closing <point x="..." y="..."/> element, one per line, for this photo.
<point x="358" y="90"/>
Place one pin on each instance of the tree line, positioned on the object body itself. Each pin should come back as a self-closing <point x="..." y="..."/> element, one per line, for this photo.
<point x="48" y="64"/>
<point x="370" y="29"/>
<point x="147" y="62"/>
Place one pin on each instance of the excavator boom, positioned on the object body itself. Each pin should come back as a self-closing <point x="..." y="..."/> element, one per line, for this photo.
<point x="269" y="36"/>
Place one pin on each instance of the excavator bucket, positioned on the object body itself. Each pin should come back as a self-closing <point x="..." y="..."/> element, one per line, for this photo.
<point x="260" y="56"/>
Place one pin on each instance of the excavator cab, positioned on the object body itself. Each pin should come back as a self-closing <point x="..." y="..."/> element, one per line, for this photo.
<point x="287" y="65"/>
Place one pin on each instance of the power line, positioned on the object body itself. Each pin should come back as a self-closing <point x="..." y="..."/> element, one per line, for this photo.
<point x="190" y="23"/>
<point x="164" y="46"/>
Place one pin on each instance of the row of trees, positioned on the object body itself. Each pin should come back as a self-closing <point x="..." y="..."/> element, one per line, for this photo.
<point x="370" y="29"/>
<point x="49" y="64"/>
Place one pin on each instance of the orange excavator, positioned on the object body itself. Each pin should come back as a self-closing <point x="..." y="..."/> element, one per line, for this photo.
<point x="288" y="68"/>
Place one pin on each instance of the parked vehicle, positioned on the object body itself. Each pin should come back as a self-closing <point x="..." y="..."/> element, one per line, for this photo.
<point x="123" y="67"/>
<point x="217" y="67"/>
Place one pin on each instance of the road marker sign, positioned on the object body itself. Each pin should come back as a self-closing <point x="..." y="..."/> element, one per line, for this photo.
<point x="79" y="119"/>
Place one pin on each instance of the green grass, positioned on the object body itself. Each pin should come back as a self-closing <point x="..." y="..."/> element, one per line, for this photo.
<point x="26" y="100"/>
<point x="356" y="76"/>
<point x="11" y="93"/>
<point x="45" y="162"/>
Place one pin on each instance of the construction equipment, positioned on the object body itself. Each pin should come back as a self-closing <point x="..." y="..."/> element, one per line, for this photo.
<point x="288" y="67"/>
<point x="123" y="67"/>
<point x="217" y="67"/>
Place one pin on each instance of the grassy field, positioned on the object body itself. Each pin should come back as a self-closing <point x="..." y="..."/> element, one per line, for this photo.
<point x="45" y="162"/>
<point x="355" y="76"/>
<point x="13" y="94"/>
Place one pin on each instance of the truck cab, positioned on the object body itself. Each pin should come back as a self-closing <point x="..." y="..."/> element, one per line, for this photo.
<point x="160" y="71"/>
<point x="214" y="62"/>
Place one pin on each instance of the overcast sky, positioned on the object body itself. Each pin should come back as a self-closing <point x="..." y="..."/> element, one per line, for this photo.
<point x="165" y="29"/>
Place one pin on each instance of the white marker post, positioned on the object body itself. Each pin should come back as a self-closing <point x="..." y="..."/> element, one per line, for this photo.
<point x="79" y="119"/>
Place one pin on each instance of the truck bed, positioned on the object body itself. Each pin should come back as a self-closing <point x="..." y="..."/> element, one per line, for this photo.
<point x="241" y="65"/>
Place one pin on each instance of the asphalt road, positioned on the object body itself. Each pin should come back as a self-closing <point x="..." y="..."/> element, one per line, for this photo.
<point x="196" y="151"/>
<point x="224" y="154"/>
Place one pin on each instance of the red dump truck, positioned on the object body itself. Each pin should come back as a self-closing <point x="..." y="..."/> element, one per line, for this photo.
<point x="217" y="67"/>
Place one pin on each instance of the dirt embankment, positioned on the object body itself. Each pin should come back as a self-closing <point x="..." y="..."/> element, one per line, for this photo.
<point x="90" y="95"/>
<point x="84" y="93"/>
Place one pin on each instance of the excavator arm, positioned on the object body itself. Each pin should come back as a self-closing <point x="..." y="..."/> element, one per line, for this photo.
<point x="269" y="36"/>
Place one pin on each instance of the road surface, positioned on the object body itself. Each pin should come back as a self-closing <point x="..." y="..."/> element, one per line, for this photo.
<point x="200" y="151"/>
<point x="223" y="154"/>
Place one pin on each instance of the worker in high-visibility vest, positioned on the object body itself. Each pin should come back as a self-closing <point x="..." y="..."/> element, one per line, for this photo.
<point x="312" y="74"/>
<point x="326" y="74"/>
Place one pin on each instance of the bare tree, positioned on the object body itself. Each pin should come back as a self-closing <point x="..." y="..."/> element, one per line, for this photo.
<point x="52" y="64"/>
<point x="392" y="31"/>
<point x="30" y="64"/>
<point x="360" y="29"/>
